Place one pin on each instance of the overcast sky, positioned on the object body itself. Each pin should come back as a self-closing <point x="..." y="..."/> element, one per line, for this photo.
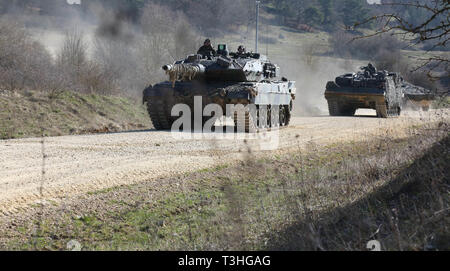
<point x="374" y="1"/>
<point x="71" y="2"/>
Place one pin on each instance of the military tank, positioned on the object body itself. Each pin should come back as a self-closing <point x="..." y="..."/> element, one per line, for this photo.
<point x="224" y="79"/>
<point x="368" y="88"/>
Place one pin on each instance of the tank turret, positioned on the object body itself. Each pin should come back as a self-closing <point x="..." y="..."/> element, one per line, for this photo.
<point x="236" y="67"/>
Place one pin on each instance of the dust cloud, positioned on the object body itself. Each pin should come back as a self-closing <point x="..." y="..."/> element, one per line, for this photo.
<point x="311" y="79"/>
<point x="50" y="29"/>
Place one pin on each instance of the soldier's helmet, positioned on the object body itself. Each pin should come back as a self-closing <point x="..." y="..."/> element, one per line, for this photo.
<point x="241" y="49"/>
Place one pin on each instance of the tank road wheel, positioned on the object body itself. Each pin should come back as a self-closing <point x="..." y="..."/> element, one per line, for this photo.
<point x="285" y="115"/>
<point x="287" y="110"/>
<point x="247" y="119"/>
<point x="271" y="117"/>
<point x="274" y="117"/>
<point x="263" y="116"/>
<point x="282" y="116"/>
<point x="160" y="113"/>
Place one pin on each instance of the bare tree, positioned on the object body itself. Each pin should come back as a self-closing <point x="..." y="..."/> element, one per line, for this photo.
<point x="166" y="36"/>
<point x="434" y="28"/>
<point x="24" y="62"/>
<point x="73" y="51"/>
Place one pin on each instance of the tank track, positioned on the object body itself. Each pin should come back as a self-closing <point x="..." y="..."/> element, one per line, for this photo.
<point x="249" y="121"/>
<point x="254" y="123"/>
<point x="159" y="111"/>
<point x="333" y="108"/>
<point x="336" y="109"/>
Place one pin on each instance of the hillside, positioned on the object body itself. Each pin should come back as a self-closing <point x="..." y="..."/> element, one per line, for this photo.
<point x="25" y="113"/>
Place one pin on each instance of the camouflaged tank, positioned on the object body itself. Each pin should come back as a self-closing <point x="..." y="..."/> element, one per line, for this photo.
<point x="369" y="88"/>
<point x="224" y="79"/>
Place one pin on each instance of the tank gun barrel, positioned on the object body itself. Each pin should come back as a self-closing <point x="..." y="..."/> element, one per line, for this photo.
<point x="184" y="72"/>
<point x="167" y="67"/>
<point x="182" y="68"/>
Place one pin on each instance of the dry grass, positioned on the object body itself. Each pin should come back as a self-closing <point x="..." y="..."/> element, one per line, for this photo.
<point x="33" y="113"/>
<point x="336" y="197"/>
<point x="408" y="212"/>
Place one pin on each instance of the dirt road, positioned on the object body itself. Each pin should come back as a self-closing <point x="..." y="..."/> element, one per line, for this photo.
<point x="32" y="171"/>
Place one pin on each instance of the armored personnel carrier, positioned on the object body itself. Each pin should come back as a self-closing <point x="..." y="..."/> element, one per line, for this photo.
<point x="369" y="88"/>
<point x="224" y="79"/>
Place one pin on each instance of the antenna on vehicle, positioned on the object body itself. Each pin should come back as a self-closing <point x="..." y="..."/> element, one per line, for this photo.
<point x="267" y="40"/>
<point x="257" y="23"/>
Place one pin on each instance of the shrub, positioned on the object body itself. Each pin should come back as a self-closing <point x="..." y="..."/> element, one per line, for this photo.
<point x="24" y="63"/>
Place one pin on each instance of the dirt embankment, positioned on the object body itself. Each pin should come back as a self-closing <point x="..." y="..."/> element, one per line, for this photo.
<point x="31" y="114"/>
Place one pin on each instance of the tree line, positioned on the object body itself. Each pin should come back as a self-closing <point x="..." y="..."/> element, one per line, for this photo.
<point x="216" y="15"/>
<point x="208" y="16"/>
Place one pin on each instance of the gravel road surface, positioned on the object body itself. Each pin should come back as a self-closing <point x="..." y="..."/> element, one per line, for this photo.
<point x="36" y="171"/>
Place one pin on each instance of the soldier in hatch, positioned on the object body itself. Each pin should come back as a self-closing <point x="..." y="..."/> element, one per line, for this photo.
<point x="370" y="71"/>
<point x="206" y="50"/>
<point x="241" y="50"/>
